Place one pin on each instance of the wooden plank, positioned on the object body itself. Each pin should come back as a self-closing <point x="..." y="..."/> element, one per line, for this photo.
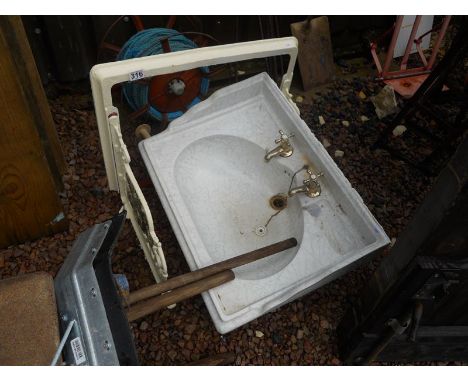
<point x="154" y="304"/>
<point x="315" y="51"/>
<point x="210" y="270"/>
<point x="29" y="203"/>
<point x="15" y="37"/>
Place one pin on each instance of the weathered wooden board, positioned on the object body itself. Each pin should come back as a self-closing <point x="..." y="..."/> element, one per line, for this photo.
<point x="315" y="51"/>
<point x="31" y="161"/>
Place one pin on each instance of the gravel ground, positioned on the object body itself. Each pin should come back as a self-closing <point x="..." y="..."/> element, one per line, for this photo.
<point x="300" y="333"/>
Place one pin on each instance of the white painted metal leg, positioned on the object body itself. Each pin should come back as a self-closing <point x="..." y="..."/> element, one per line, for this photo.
<point x="135" y="203"/>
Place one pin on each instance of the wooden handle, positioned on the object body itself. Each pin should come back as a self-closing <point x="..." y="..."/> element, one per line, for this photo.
<point x="143" y="131"/>
<point x="154" y="304"/>
<point x="222" y="359"/>
<point x="201" y="273"/>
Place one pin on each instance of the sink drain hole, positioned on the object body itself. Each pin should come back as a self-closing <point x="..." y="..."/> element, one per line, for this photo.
<point x="279" y="202"/>
<point x="261" y="230"/>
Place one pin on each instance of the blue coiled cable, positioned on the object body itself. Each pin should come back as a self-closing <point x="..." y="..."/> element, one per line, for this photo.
<point x="148" y="43"/>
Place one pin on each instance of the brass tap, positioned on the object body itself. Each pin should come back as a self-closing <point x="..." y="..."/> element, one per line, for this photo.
<point x="284" y="148"/>
<point x="311" y="186"/>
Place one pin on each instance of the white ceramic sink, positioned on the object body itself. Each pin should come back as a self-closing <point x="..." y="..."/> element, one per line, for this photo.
<point x="209" y="171"/>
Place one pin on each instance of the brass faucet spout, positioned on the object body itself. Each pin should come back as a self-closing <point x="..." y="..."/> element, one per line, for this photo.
<point x="273" y="153"/>
<point x="297" y="190"/>
<point x="284" y="149"/>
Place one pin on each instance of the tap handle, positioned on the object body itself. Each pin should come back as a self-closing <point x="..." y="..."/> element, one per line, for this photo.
<point x="283" y="137"/>
<point x="312" y="176"/>
<point x="316" y="176"/>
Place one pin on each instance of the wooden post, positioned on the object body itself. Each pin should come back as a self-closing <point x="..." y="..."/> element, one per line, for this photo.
<point x="31" y="161"/>
<point x="315" y="51"/>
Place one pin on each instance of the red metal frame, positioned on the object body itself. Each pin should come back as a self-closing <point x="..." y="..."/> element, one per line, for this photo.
<point x="412" y="77"/>
<point x="384" y="73"/>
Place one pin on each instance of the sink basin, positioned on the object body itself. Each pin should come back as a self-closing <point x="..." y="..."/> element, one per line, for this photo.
<point x="209" y="171"/>
<point x="228" y="204"/>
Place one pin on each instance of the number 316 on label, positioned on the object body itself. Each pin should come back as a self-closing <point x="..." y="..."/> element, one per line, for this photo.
<point x="136" y="75"/>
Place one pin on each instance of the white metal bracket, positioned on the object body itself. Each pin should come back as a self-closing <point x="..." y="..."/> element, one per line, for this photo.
<point x="116" y="158"/>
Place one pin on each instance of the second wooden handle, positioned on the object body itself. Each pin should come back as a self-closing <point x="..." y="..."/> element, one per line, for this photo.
<point x="201" y="273"/>
<point x="154" y="304"/>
